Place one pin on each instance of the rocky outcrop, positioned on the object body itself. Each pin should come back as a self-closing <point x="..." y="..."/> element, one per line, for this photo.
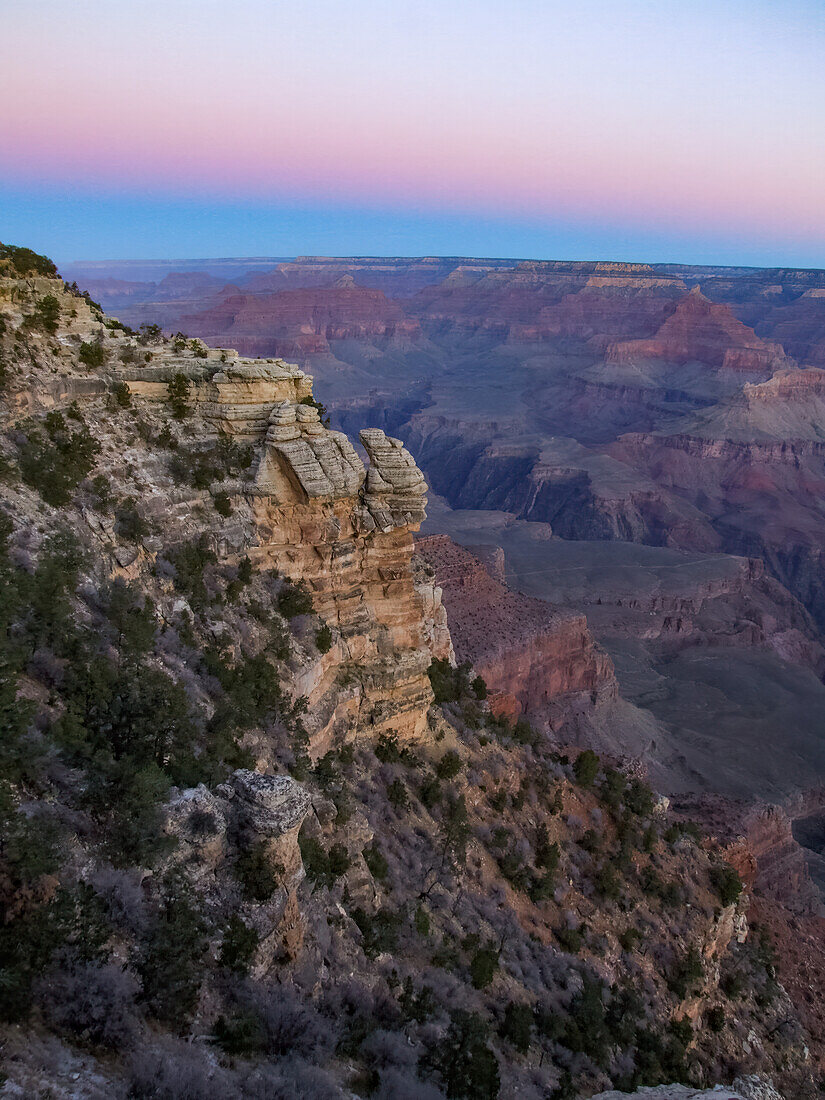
<point x="702" y="331"/>
<point x="249" y="810"/>
<point x="436" y="628"/>
<point x="237" y="398"/>
<point x="530" y="654"/>
<point x="319" y="516"/>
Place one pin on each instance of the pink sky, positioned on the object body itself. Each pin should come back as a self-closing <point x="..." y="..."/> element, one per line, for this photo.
<point x="690" y="118"/>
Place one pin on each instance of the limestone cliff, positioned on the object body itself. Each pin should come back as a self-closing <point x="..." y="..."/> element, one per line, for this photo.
<point x="319" y="516"/>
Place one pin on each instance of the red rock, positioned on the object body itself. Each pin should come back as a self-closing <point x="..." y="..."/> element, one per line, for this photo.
<point x="299" y="322"/>
<point x="706" y="332"/>
<point x="529" y="653"/>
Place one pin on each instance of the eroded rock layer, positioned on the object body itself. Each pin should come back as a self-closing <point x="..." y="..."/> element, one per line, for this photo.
<point x="530" y="654"/>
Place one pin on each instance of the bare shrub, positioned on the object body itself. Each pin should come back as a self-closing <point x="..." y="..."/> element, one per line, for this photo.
<point x="92" y="1003"/>
<point x="174" y="1070"/>
<point x="123" y="897"/>
<point x="291" y="1079"/>
<point x="291" y="1026"/>
<point x="399" y="1085"/>
<point x="386" y="1049"/>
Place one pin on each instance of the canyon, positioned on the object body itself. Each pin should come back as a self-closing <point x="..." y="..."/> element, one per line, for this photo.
<point x="655" y="427"/>
<point x="395" y="631"/>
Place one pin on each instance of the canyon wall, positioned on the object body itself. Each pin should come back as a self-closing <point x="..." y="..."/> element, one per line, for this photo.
<point x="530" y="654"/>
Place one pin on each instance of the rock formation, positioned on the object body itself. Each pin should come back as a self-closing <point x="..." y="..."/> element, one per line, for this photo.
<point x="299" y="322"/>
<point x="321" y="517"/>
<point x="702" y="331"/>
<point x="530" y="654"/>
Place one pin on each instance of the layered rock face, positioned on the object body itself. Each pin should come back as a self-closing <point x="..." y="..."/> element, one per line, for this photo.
<point x="531" y="655"/>
<point x="319" y="516"/>
<point x="755" y="467"/>
<point x="300" y="322"/>
<point x="702" y="331"/>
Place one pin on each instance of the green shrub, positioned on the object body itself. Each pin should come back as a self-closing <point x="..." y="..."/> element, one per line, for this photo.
<point x="323" y="639"/>
<point x="123" y="395"/>
<point x="456" y="829"/>
<point x="570" y="939"/>
<point x="255" y="872"/>
<point x="727" y="883"/>
<point x="244" y="571"/>
<point x="223" y="505"/>
<point x="321" y="866"/>
<point x="517" y="1026"/>
<point x="128" y="799"/>
<point x="240" y="1035"/>
<point x="629" y="939"/>
<point x="685" y="973"/>
<point x="45" y="315"/>
<point x="29" y="848"/>
<point x="387" y="749"/>
<point x="92" y="354"/>
<point x="448" y="766"/>
<point x="23" y="261"/>
<point x="479" y="688"/>
<point x="376" y="862"/>
<point x="682" y="828"/>
<point x="444" y="681"/>
<point x="150" y="334"/>
<point x="322" y="409"/>
<point x="294" y="599"/>
<point x="715" y="1018"/>
<point x="547" y="854"/>
<point x="639" y="798"/>
<point x="178" y="393"/>
<point x="525" y="734"/>
<point x="418" y="1005"/>
<point x="189" y="561"/>
<point x="55" y="465"/>
<point x="240" y="942"/>
<point x="430" y="792"/>
<point x="397" y="795"/>
<point x="463" y="1061"/>
<point x="71" y="920"/>
<point x="732" y="985"/>
<point x="171" y="967"/>
<point x="379" y="931"/>
<point x="607" y="883"/>
<point x="131" y="617"/>
<point x="421" y="921"/>
<point x="129" y="523"/>
<point x="483" y="966"/>
<point x="586" y="768"/>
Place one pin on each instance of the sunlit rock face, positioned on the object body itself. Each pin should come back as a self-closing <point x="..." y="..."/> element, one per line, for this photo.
<point x="320" y="516"/>
<point x="346" y="531"/>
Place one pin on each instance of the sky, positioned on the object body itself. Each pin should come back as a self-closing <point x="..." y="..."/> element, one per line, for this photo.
<point x="598" y="129"/>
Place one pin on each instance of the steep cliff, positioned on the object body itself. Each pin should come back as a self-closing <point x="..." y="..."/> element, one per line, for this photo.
<point x="531" y="655"/>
